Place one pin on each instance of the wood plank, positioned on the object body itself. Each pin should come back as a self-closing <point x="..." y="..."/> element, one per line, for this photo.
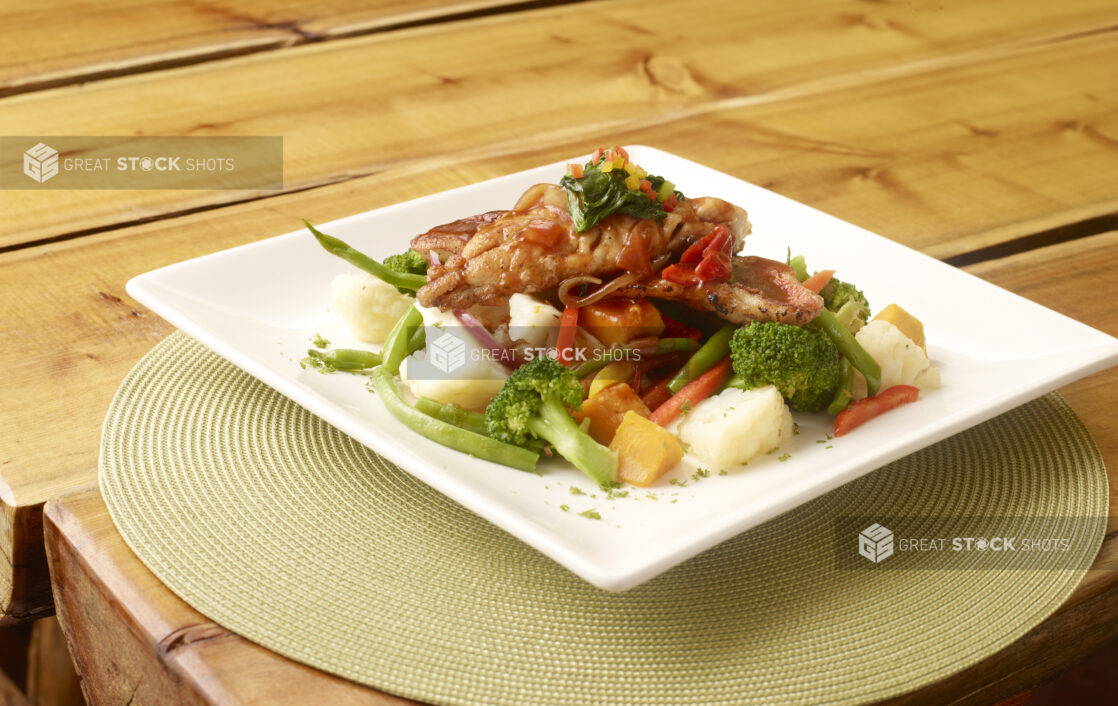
<point x="579" y="76"/>
<point x="101" y="39"/>
<point x="135" y="640"/>
<point x="51" y="677"/>
<point x="95" y="574"/>
<point x="10" y="695"/>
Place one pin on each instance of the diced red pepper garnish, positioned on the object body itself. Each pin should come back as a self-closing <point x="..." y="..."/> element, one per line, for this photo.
<point x="564" y="346"/>
<point x="575" y="170"/>
<point x="861" y="411"/>
<point x="680" y="273"/>
<point x="674" y="329"/>
<point x="594" y="158"/>
<point x="671" y="203"/>
<point x="621" y="151"/>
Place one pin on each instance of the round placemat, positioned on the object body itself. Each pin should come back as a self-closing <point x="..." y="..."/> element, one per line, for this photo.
<point x="284" y="530"/>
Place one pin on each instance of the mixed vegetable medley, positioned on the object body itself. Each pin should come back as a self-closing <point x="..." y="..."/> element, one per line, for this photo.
<point x="614" y="322"/>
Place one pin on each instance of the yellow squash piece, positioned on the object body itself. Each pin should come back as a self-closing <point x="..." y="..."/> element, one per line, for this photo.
<point x="908" y="324"/>
<point x="645" y="450"/>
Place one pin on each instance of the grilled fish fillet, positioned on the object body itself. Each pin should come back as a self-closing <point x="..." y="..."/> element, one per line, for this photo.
<point x="759" y="290"/>
<point x="534" y="246"/>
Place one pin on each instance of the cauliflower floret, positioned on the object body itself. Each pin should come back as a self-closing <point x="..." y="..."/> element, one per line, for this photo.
<point x="370" y="306"/>
<point x="902" y="361"/>
<point x="735" y="425"/>
<point x="532" y="321"/>
<point x="464" y="375"/>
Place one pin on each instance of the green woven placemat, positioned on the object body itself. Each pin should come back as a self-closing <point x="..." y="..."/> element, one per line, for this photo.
<point x="284" y="530"/>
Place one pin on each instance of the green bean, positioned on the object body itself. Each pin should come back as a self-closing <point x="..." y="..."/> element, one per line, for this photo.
<point x="418" y="339"/>
<point x="396" y="345"/>
<point x="862" y="361"/>
<point x="359" y="259"/>
<point x="446" y="434"/>
<point x="843" y="394"/>
<point x="715" y="349"/>
<point x="343" y="359"/>
<point x="662" y="347"/>
<point x="674" y="345"/>
<point x="453" y="414"/>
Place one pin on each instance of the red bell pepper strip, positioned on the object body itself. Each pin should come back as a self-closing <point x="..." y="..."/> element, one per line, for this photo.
<point x="715" y="265"/>
<point x="674" y="329"/>
<point x="694" y="252"/>
<point x="693" y="392"/>
<point x="862" y="411"/>
<point x="568" y="323"/>
<point x="680" y="273"/>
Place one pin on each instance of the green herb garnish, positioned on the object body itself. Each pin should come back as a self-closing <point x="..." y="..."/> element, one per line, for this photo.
<point x="597" y="194"/>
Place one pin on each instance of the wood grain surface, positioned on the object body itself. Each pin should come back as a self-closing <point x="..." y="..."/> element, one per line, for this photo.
<point x="88" y="332"/>
<point x="353" y="107"/>
<point x="136" y="642"/>
<point x="100" y="586"/>
<point x="57" y="42"/>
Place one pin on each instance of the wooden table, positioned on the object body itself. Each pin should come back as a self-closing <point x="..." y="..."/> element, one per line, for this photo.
<point x="984" y="133"/>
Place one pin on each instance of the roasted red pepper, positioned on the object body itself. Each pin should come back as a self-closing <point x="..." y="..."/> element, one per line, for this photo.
<point x="681" y="273"/>
<point x="674" y="329"/>
<point x="861" y="411"/>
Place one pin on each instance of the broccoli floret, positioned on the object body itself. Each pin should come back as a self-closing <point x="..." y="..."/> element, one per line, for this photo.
<point x="532" y="404"/>
<point x="408" y="262"/>
<point x="802" y="363"/>
<point x="847" y="303"/>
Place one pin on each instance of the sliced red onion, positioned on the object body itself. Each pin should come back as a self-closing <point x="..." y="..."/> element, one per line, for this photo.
<point x="485" y="339"/>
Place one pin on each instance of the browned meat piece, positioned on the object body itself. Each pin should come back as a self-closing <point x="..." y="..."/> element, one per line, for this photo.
<point x="760" y="290"/>
<point x="534" y="247"/>
<point x="452" y="237"/>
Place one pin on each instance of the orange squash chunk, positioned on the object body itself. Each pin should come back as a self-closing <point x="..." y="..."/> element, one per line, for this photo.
<point x="606" y="409"/>
<point x="620" y="321"/>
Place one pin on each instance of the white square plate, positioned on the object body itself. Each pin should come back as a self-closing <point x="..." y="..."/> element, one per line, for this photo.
<point x="258" y="305"/>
